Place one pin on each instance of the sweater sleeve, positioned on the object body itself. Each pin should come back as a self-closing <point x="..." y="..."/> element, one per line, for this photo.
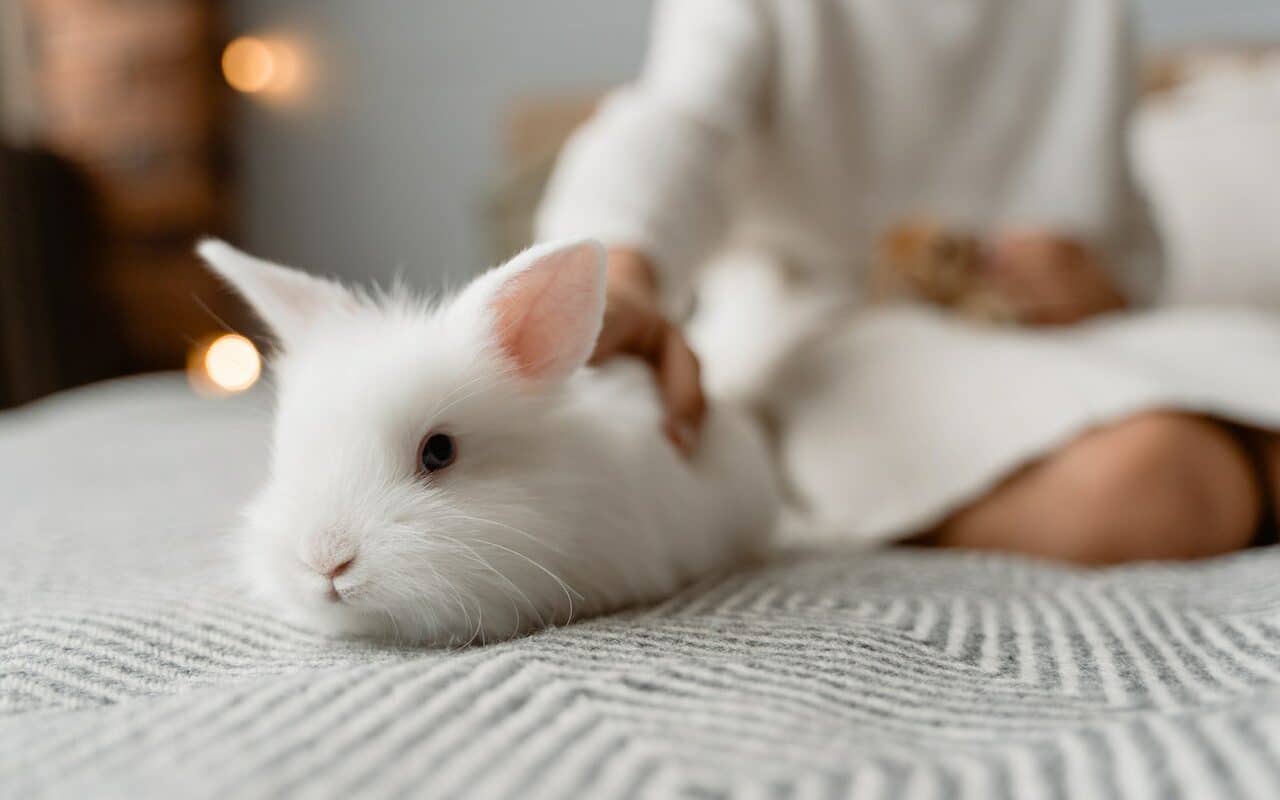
<point x="1134" y="245"/>
<point x="1138" y="252"/>
<point x="647" y="171"/>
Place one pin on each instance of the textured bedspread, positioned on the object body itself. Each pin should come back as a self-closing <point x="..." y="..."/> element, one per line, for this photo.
<point x="132" y="666"/>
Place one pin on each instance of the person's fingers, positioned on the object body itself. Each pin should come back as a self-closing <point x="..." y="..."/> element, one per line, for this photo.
<point x="1006" y="265"/>
<point x="1050" y="280"/>
<point x="638" y="329"/>
<point x="1024" y="270"/>
<point x="612" y="334"/>
<point x="680" y="385"/>
<point x="629" y="327"/>
<point x="1021" y="251"/>
<point x="1013" y="280"/>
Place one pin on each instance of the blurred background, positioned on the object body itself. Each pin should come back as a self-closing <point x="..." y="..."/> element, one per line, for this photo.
<point x="412" y="137"/>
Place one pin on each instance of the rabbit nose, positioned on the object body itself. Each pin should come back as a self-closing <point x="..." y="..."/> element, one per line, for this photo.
<point x="339" y="569"/>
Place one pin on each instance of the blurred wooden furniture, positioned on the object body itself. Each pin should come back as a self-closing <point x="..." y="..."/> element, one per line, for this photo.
<point x="533" y="132"/>
<point x="53" y="333"/>
<point x="129" y="93"/>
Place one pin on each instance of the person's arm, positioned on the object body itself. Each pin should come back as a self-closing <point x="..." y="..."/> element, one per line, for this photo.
<point x="1133" y="248"/>
<point x="646" y="176"/>
<point x="1053" y="277"/>
<point x="646" y="172"/>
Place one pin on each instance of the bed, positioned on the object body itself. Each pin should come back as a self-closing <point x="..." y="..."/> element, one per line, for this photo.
<point x="132" y="665"/>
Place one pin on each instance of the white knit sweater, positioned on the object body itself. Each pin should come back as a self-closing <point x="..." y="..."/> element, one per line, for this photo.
<point x="805" y="127"/>
<point x="793" y="131"/>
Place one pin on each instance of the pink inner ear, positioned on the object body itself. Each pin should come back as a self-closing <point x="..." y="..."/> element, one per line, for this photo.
<point x="548" y="315"/>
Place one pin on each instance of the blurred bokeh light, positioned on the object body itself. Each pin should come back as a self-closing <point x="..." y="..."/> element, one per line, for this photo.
<point x="226" y="365"/>
<point x="255" y="65"/>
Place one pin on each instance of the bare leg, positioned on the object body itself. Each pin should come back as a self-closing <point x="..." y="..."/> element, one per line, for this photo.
<point x="1157" y="486"/>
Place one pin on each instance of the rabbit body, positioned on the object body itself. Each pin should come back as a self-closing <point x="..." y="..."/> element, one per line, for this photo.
<point x="552" y="496"/>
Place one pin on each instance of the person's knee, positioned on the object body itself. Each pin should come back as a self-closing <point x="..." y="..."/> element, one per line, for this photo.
<point x="1160" y="486"/>
<point x="1157" y="486"/>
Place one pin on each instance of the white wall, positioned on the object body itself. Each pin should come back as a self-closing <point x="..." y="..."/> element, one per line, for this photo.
<point x="1169" y="22"/>
<point x="388" y="164"/>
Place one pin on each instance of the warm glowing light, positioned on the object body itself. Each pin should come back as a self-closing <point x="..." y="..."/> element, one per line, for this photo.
<point x="231" y="363"/>
<point x="249" y="64"/>
<point x="286" y="68"/>
<point x="253" y="65"/>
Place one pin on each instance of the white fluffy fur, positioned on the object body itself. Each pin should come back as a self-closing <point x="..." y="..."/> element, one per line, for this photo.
<point x="565" y="499"/>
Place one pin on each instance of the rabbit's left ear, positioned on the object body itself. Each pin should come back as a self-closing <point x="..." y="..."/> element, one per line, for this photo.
<point x="546" y="307"/>
<point x="288" y="300"/>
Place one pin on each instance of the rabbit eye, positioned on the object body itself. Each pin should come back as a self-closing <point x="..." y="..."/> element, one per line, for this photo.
<point x="436" y="452"/>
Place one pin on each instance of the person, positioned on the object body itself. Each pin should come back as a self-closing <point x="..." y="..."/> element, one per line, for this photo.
<point x="795" y="133"/>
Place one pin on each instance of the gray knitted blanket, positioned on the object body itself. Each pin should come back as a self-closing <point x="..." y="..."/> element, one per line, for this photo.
<point x="131" y="667"/>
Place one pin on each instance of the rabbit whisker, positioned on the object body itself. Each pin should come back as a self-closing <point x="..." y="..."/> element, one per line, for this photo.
<point x="481" y="560"/>
<point x="513" y="529"/>
<point x="568" y="591"/>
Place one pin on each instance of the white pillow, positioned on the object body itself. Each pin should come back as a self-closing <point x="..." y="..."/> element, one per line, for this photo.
<point x="1208" y="155"/>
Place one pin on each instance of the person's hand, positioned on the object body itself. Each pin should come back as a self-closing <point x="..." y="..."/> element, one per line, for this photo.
<point x="634" y="325"/>
<point x="1050" y="280"/>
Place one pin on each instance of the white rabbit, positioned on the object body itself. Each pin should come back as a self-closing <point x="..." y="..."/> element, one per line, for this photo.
<point x="452" y="473"/>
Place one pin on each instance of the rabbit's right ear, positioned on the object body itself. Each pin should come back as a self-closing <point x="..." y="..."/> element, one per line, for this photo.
<point x="546" y="307"/>
<point x="288" y="300"/>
